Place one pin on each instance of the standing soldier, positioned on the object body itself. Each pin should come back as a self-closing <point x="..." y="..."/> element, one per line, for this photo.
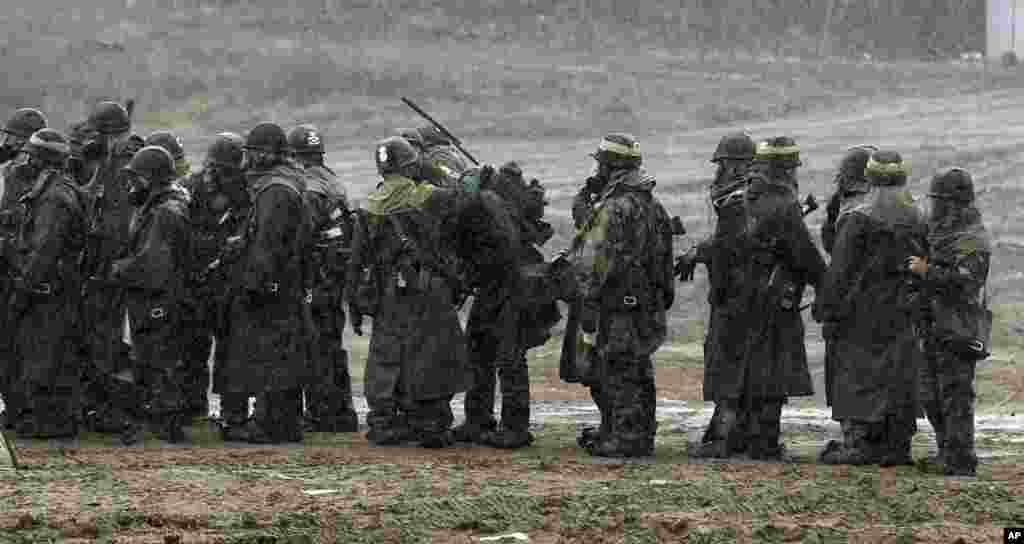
<point x="218" y="206"/>
<point x="868" y="310"/>
<point x="504" y="322"/>
<point x="417" y="359"/>
<point x="778" y="159"/>
<point x="16" y="181"/>
<point x="329" y="396"/>
<point x="110" y="214"/>
<point x="154" y="273"/>
<point x="80" y="166"/>
<point x="954" y="274"/>
<point x="624" y="269"/>
<point x="271" y="327"/>
<point x="782" y="260"/>
<point x="43" y="316"/>
<point x="726" y="263"/>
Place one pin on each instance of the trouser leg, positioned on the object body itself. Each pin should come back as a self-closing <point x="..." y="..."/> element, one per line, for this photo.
<point x="766" y="423"/>
<point x="479" y="399"/>
<point x="958" y="397"/>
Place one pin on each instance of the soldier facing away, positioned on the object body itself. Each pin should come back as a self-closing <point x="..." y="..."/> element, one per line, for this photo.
<point x="329" y="396"/>
<point x="42" y="310"/>
<point x="624" y="269"/>
<point x="868" y="310"/>
<point x="441" y="163"/>
<point x="271" y="329"/>
<point x="954" y="274"/>
<point x="154" y="273"/>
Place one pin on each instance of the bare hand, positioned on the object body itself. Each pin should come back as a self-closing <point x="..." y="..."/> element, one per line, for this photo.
<point x="918" y="265"/>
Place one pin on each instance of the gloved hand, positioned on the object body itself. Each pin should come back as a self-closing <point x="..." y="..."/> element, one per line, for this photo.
<point x="686" y="265"/>
<point x="588" y="317"/>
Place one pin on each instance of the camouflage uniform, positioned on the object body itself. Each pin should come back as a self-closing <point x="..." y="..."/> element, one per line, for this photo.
<point x="868" y="311"/>
<point x="958" y="266"/>
<point x="271" y="330"/>
<point x="504" y="322"/>
<point x="43" y="315"/>
<point x="153" y="274"/>
<point x="441" y="163"/>
<point x="624" y="270"/>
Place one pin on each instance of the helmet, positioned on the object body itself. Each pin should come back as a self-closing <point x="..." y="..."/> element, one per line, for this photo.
<point x="431" y="136"/>
<point x="24" y="122"/>
<point x="168" y="141"/>
<point x="886" y="168"/>
<point x="153" y="163"/>
<point x="267" y="137"/>
<point x="856" y="160"/>
<point x="781" y="149"/>
<point x="306" y="139"/>
<point x="110" y="118"/>
<point x="737" y="145"/>
<point x="953" y="184"/>
<point x="48" y="145"/>
<point x="413" y="136"/>
<point x="228" y="149"/>
<point x="395" y="154"/>
<point x="619" y="150"/>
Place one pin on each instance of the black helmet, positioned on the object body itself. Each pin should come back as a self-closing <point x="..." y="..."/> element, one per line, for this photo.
<point x="953" y="184"/>
<point x="268" y="137"/>
<point x="25" y="122"/>
<point x="781" y="149"/>
<point x="228" y="149"/>
<point x="856" y="160"/>
<point x="305" y="139"/>
<point x="737" y="145"/>
<point x="394" y="154"/>
<point x="110" y="118"/>
<point x="49" y="146"/>
<point x="413" y="136"/>
<point x="153" y="163"/>
<point x="619" y="150"/>
<point x="886" y="168"/>
<point x="169" y="141"/>
<point x="431" y="136"/>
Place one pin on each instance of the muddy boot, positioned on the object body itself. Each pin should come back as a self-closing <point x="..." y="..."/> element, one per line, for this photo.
<point x="935" y="463"/>
<point x="169" y="428"/>
<point x="899" y="431"/>
<point x="388" y="436"/>
<point x="616" y="447"/>
<point x="723" y="433"/>
<point x="506" y="438"/>
<point x="960" y="457"/>
<point x="590" y="435"/>
<point x="857" y="447"/>
<point x="473" y="431"/>
<point x="436" y="439"/>
<point x="766" y="446"/>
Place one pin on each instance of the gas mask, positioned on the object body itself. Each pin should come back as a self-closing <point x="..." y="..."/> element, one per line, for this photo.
<point x="137" y="186"/>
<point x="228" y="184"/>
<point x="10" y="144"/>
<point x="26" y="166"/>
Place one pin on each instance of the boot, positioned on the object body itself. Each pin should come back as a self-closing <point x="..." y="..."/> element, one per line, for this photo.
<point x="898" y="434"/>
<point x="616" y="447"/>
<point x="590" y="435"/>
<point x="765" y="445"/>
<point x="472" y="432"/>
<point x="936" y="463"/>
<point x="506" y="438"/>
<point x="436" y="439"/>
<point x="722" y="432"/>
<point x="388" y="436"/>
<point x="857" y="447"/>
<point x="168" y="428"/>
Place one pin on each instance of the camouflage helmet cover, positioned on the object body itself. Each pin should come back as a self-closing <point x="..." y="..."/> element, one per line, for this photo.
<point x="781" y="149"/>
<point x="886" y="168"/>
<point x="618" y="149"/>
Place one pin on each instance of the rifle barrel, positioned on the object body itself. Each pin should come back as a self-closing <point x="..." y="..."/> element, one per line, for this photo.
<point x="455" y="141"/>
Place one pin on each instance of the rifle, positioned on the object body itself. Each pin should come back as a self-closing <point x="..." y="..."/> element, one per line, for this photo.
<point x="455" y="141"/>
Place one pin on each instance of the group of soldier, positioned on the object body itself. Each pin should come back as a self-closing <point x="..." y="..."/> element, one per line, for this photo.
<point x="125" y="273"/>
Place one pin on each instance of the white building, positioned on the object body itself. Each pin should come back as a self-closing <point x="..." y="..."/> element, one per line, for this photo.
<point x="1004" y="29"/>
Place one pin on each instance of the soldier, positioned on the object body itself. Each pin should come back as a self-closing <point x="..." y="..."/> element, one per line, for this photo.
<point x="81" y="167"/>
<point x="169" y="141"/>
<point x="218" y="206"/>
<point x="417" y="359"/>
<point x="624" y="270"/>
<point x="504" y="322"/>
<point x="781" y="261"/>
<point x="329" y="397"/>
<point x="851" y="186"/>
<point x="271" y="327"/>
<point x="43" y="308"/>
<point x="16" y="181"/>
<point x="110" y="215"/>
<point x="442" y="163"/>
<point x="154" y="273"/>
<point x="725" y="260"/>
<point x="954" y="272"/>
<point x="867" y="310"/>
